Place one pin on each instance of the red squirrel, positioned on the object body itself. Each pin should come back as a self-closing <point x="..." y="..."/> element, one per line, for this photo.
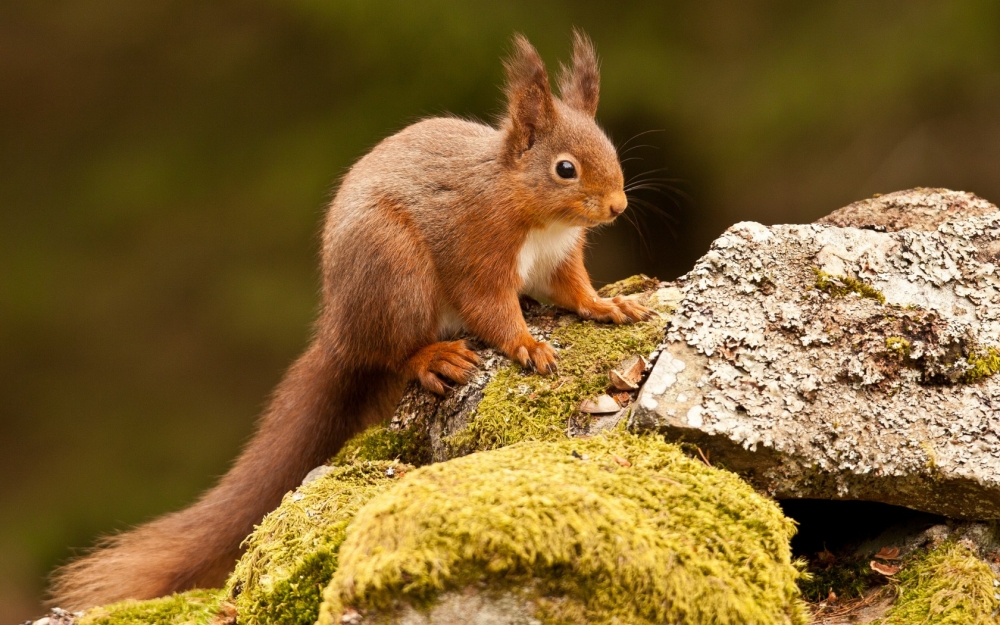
<point x="439" y="228"/>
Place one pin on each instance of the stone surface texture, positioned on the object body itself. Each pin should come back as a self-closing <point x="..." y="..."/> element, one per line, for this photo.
<point x="842" y="362"/>
<point x="458" y="608"/>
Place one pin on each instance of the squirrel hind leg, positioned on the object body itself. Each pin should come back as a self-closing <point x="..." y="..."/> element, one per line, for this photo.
<point x="435" y="364"/>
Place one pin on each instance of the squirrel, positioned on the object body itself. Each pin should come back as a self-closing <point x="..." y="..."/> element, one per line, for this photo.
<point x="439" y="228"/>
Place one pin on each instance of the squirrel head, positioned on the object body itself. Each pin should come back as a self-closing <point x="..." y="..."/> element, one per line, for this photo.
<point x="553" y="146"/>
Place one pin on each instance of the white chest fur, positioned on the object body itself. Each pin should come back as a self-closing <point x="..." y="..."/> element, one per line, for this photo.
<point x="543" y="251"/>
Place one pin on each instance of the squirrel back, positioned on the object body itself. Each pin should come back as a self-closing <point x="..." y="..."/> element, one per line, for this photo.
<point x="439" y="228"/>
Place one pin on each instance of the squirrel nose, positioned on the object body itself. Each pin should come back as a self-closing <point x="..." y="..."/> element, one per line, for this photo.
<point x="618" y="204"/>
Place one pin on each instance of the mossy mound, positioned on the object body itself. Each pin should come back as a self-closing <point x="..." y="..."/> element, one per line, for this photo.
<point x="849" y="578"/>
<point x="292" y="554"/>
<point x="638" y="283"/>
<point x="379" y="442"/>
<point x="518" y="405"/>
<point x="947" y="586"/>
<point x="613" y="529"/>
<point x="195" y="607"/>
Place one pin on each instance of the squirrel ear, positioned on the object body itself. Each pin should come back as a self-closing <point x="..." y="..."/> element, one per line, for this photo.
<point x="530" y="108"/>
<point x="580" y="84"/>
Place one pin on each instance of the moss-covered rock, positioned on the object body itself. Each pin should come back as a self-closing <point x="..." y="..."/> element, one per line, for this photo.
<point x="292" y="554"/>
<point x="612" y="529"/>
<point x="629" y="286"/>
<point x="518" y="405"/>
<point x="505" y="403"/>
<point x="949" y="585"/>
<point x="378" y="443"/>
<point x="195" y="607"/>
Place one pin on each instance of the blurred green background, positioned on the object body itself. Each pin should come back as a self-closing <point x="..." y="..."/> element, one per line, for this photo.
<point x="164" y="166"/>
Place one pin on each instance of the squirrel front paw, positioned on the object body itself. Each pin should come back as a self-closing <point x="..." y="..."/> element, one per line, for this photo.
<point x="450" y="360"/>
<point x="537" y="355"/>
<point x="617" y="310"/>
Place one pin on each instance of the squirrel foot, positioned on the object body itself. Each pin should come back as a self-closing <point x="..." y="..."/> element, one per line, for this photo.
<point x="448" y="360"/>
<point x="617" y="310"/>
<point x="537" y="355"/>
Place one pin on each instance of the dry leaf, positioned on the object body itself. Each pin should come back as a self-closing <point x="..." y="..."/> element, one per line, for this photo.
<point x="619" y="382"/>
<point x="888" y="553"/>
<point x="602" y="404"/>
<point x="622" y="461"/>
<point x="885" y="569"/>
<point x="627" y="377"/>
<point x="826" y="557"/>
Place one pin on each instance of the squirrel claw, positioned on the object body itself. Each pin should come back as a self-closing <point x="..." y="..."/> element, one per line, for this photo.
<point x="616" y="310"/>
<point x="537" y="356"/>
<point x="445" y="360"/>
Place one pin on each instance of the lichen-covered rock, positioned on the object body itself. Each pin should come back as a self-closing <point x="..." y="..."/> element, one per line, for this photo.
<point x="292" y="554"/>
<point x="838" y="362"/>
<point x="615" y="528"/>
<point x="915" y="209"/>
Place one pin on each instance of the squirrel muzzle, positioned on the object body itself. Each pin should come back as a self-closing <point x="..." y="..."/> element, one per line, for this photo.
<point x="617" y="203"/>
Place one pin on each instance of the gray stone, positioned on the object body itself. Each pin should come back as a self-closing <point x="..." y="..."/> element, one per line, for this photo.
<point x="829" y="361"/>
<point x="472" y="607"/>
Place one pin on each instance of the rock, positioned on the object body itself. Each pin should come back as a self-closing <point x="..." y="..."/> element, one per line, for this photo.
<point x="505" y="404"/>
<point x="825" y="361"/>
<point x="916" y="209"/>
<point x="461" y="608"/>
<point x="187" y="608"/>
<point x="57" y="616"/>
<point x="612" y="529"/>
<point x="292" y="554"/>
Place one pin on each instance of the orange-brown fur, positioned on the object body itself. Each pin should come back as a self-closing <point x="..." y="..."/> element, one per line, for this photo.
<point x="438" y="224"/>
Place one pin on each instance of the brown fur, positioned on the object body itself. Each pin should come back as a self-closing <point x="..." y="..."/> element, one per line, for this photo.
<point x="444" y="223"/>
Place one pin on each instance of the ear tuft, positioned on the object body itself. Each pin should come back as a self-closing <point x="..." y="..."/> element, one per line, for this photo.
<point x="530" y="108"/>
<point x="580" y="83"/>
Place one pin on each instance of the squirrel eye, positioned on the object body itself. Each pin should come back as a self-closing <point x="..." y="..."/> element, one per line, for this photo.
<point x="566" y="170"/>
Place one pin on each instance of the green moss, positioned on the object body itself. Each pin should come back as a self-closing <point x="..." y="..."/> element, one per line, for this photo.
<point x="948" y="586"/>
<point x="195" y="607"/>
<point x="928" y="448"/>
<point x="629" y="286"/>
<point x="899" y="345"/>
<point x="382" y="443"/>
<point x="848" y="579"/>
<point x="292" y="554"/>
<point x="841" y="286"/>
<point x="518" y="405"/>
<point x="982" y="364"/>
<point x="613" y="529"/>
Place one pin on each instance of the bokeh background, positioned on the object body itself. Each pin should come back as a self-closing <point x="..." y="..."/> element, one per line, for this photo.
<point x="164" y="166"/>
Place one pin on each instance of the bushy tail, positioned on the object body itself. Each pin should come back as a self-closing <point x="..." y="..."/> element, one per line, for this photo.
<point x="315" y="409"/>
